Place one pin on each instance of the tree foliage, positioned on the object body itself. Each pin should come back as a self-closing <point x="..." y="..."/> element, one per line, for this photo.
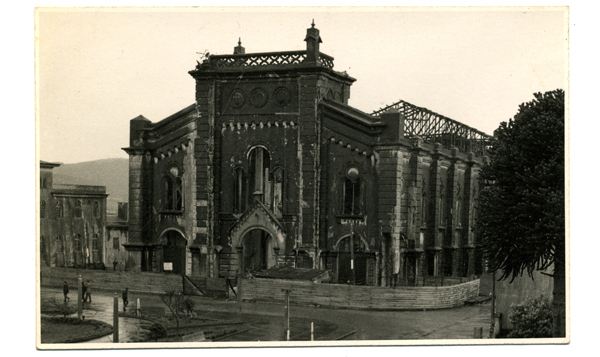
<point x="531" y="319"/>
<point x="178" y="304"/>
<point x="522" y="202"/>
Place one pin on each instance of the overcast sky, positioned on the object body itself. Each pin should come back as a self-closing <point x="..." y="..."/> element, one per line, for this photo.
<point x="97" y="69"/>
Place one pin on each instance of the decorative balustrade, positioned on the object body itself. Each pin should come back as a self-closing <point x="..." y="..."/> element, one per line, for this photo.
<point x="266" y="59"/>
<point x="435" y="128"/>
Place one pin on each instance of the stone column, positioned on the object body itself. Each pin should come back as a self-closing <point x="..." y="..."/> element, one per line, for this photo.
<point x="140" y="203"/>
<point x="390" y="209"/>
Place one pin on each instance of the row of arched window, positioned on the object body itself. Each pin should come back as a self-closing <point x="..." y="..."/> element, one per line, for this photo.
<point x="77" y="209"/>
<point x="77" y="248"/>
<point x="265" y="182"/>
<point x="456" y="209"/>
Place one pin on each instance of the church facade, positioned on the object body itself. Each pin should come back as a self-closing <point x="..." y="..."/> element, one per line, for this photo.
<point x="272" y="167"/>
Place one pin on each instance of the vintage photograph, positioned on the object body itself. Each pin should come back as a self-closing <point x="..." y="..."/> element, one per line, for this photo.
<point x="260" y="177"/>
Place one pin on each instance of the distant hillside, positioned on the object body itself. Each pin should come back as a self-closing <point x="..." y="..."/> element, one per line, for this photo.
<point x="112" y="173"/>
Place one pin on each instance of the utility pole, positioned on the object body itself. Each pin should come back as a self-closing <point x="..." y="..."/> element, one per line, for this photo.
<point x="116" y="318"/>
<point x="240" y="278"/>
<point x="287" y="313"/>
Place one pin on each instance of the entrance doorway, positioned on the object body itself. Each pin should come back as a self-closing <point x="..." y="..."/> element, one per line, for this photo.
<point x="258" y="251"/>
<point x="174" y="251"/>
<point x="345" y="264"/>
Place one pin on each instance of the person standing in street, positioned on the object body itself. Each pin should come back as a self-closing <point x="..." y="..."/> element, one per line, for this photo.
<point x="125" y="299"/>
<point x="83" y="291"/>
<point x="88" y="292"/>
<point x="66" y="291"/>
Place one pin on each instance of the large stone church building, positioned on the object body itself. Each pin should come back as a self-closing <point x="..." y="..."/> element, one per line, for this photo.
<point x="272" y="167"/>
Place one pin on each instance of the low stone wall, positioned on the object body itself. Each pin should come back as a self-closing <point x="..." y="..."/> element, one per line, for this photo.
<point x="108" y="280"/>
<point x="360" y="297"/>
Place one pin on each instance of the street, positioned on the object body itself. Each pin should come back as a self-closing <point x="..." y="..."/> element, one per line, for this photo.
<point x="264" y="321"/>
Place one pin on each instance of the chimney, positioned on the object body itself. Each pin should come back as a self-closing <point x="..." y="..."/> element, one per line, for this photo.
<point x="239" y="50"/>
<point x="312" y="43"/>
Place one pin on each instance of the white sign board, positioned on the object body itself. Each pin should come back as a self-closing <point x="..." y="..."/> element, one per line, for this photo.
<point x="168" y="266"/>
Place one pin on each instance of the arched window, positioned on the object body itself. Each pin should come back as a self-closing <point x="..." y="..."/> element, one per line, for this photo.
<point x="78" y="249"/>
<point x="59" y="209"/>
<point x="259" y="166"/>
<point x="95" y="249"/>
<point x="168" y="191"/>
<point x="264" y="182"/>
<point x="77" y="243"/>
<point x="173" y="192"/>
<point x="351" y="198"/>
<point x="96" y="209"/>
<point x="442" y="204"/>
<point x="59" y="244"/>
<point x="239" y="190"/>
<point x="43" y="209"/>
<point x="178" y="194"/>
<point x="458" y="206"/>
<point x="424" y="205"/>
<point x="277" y="183"/>
<point x="77" y="210"/>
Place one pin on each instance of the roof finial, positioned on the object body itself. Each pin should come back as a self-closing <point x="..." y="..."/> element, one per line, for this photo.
<point x="313" y="23"/>
<point x="239" y="50"/>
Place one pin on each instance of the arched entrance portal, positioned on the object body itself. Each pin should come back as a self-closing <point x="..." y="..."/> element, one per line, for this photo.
<point x="174" y="251"/>
<point x="258" y="250"/>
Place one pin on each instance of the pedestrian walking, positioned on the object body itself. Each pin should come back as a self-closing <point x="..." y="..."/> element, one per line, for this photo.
<point x="125" y="299"/>
<point x="66" y="291"/>
<point x="83" y="291"/>
<point x="88" y="292"/>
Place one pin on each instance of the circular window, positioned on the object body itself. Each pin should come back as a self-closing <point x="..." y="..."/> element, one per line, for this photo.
<point x="237" y="98"/>
<point x="352" y="173"/>
<point x="258" y="98"/>
<point x="282" y="96"/>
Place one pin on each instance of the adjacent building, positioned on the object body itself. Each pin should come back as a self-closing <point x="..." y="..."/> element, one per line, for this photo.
<point x="116" y="257"/>
<point x="72" y="222"/>
<point x="272" y="167"/>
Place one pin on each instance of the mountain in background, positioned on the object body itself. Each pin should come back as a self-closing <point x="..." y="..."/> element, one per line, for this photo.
<point x="112" y="173"/>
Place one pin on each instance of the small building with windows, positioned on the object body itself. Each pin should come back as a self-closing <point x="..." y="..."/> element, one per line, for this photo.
<point x="272" y="167"/>
<point x="72" y="223"/>
<point x="116" y="257"/>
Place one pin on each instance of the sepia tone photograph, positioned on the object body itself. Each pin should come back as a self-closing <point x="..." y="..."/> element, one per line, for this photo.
<point x="280" y="177"/>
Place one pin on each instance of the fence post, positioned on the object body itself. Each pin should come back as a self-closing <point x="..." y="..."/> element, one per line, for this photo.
<point x="287" y="313"/>
<point x="312" y="331"/>
<point x="79" y="297"/>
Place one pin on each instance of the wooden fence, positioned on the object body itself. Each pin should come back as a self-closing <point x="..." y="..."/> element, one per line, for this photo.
<point x="360" y="297"/>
